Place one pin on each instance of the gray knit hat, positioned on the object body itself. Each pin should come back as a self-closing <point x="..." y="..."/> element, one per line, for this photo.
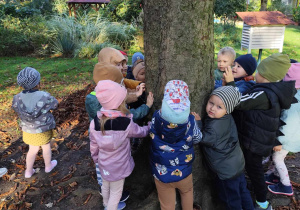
<point x="28" y="78"/>
<point x="230" y="96"/>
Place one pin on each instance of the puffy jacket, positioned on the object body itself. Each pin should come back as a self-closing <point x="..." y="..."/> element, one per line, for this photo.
<point x="172" y="153"/>
<point x="258" y="129"/>
<point x="112" y="150"/>
<point x="33" y="108"/>
<point x="291" y="117"/>
<point x="221" y="147"/>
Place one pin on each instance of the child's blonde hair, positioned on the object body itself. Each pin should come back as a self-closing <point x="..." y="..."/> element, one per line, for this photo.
<point x="122" y="108"/>
<point x="228" y="51"/>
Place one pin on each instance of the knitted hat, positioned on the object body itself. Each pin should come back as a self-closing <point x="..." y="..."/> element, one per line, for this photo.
<point x="293" y="74"/>
<point x="110" y="55"/>
<point x="229" y="96"/>
<point x="248" y="62"/>
<point x="137" y="56"/>
<point x="176" y="103"/>
<point x="28" y="78"/>
<point x="110" y="94"/>
<point x="138" y="68"/>
<point x="103" y="71"/>
<point x="274" y="67"/>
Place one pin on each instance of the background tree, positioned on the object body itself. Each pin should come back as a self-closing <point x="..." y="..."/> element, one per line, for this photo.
<point x="178" y="38"/>
<point x="226" y="9"/>
<point x="263" y="5"/>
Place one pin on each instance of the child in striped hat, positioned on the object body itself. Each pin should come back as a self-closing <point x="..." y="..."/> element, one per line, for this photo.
<point x="222" y="149"/>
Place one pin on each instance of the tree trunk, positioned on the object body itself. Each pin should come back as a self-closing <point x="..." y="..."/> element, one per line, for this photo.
<point x="263" y="5"/>
<point x="178" y="37"/>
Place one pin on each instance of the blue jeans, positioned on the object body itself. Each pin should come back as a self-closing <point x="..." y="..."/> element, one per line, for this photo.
<point x="235" y="194"/>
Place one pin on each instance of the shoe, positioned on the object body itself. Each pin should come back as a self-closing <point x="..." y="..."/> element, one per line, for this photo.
<point x="3" y="171"/>
<point x="258" y="207"/>
<point x="271" y="179"/>
<point x="125" y="196"/>
<point x="281" y="189"/>
<point x="121" y="206"/>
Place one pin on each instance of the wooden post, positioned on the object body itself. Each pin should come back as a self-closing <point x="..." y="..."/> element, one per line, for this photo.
<point x="70" y="9"/>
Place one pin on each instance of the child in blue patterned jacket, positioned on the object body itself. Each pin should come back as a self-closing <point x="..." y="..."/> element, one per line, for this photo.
<point x="37" y="122"/>
<point x="174" y="131"/>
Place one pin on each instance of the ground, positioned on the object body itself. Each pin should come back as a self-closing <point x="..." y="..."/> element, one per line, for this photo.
<point x="72" y="184"/>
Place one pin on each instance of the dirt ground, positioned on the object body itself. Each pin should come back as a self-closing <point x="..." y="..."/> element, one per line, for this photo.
<point x="72" y="184"/>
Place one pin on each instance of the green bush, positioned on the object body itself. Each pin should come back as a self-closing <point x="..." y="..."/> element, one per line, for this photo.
<point x="230" y="36"/>
<point x="296" y="14"/>
<point x="278" y="5"/>
<point x="226" y="9"/>
<point x="123" y="10"/>
<point x="84" y="35"/>
<point x="22" y="36"/>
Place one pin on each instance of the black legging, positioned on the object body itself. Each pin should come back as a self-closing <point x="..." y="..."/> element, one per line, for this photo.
<point x="255" y="172"/>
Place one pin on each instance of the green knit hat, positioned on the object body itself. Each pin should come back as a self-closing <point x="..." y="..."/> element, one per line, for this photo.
<point x="274" y="67"/>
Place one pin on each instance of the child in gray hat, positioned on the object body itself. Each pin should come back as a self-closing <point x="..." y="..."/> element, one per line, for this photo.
<point x="36" y="120"/>
<point x="222" y="149"/>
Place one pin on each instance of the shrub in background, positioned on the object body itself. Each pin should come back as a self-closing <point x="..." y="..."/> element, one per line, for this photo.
<point x="296" y="14"/>
<point x="84" y="35"/>
<point x="123" y="10"/>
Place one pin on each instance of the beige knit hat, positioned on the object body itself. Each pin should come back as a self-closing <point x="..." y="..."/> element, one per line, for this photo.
<point x="274" y="67"/>
<point x="111" y="56"/>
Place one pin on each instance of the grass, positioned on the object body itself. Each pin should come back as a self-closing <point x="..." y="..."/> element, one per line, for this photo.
<point x="291" y="45"/>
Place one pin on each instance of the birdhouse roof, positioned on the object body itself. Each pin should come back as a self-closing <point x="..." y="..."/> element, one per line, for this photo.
<point x="264" y="18"/>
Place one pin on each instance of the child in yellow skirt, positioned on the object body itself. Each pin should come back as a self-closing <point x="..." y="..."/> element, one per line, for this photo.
<point x="36" y="120"/>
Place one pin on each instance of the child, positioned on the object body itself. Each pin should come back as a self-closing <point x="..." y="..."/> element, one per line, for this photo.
<point x="258" y="121"/>
<point x="114" y="57"/>
<point x="226" y="58"/>
<point x="125" y="66"/>
<point x="244" y="67"/>
<point x="37" y="122"/>
<point x="290" y="140"/>
<point x="103" y="71"/>
<point x="222" y="149"/>
<point x="173" y="132"/>
<point x="110" y="146"/>
<point x="139" y="72"/>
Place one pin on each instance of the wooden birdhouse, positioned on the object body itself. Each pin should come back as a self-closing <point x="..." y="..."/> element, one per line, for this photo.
<point x="263" y="30"/>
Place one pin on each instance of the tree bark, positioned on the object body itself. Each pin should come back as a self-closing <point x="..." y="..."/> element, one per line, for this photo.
<point x="178" y="38"/>
<point x="263" y="5"/>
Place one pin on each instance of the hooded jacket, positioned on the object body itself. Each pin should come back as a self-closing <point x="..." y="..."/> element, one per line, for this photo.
<point x="258" y="129"/>
<point x="172" y="153"/>
<point x="33" y="108"/>
<point x="112" y="150"/>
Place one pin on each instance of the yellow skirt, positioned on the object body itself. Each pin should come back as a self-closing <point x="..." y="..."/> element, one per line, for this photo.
<point x="37" y="139"/>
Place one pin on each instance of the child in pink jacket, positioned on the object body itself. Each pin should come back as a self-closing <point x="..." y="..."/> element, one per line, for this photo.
<point x="110" y="145"/>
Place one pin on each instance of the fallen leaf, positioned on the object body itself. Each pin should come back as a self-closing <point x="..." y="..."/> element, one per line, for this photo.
<point x="87" y="199"/>
<point x="73" y="184"/>
<point x="10" y="191"/>
<point x="12" y="177"/>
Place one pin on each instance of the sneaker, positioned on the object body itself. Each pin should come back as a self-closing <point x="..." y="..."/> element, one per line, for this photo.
<point x="125" y="196"/>
<point x="258" y="207"/>
<point x="271" y="179"/>
<point x="121" y="205"/>
<point x="3" y="171"/>
<point x="281" y="189"/>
